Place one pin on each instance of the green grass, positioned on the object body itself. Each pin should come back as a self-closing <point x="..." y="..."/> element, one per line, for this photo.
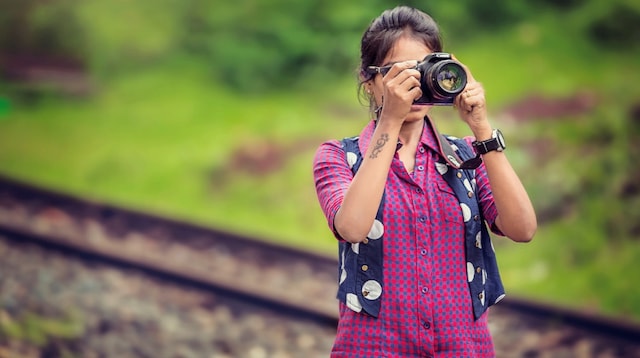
<point x="571" y="264"/>
<point x="39" y="330"/>
<point x="161" y="139"/>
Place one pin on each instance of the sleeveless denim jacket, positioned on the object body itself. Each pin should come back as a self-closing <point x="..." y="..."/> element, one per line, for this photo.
<point x="362" y="290"/>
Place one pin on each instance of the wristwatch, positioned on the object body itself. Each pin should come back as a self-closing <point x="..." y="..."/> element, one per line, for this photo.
<point x="495" y="143"/>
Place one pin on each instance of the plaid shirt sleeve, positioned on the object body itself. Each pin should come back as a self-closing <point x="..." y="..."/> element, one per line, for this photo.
<point x="332" y="177"/>
<point x="485" y="195"/>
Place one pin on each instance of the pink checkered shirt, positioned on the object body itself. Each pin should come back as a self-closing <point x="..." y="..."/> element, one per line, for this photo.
<point x="426" y="307"/>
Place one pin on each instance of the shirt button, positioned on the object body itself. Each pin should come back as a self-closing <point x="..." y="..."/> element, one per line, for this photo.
<point x="478" y="270"/>
<point x="419" y="191"/>
<point x="422" y="219"/>
<point x="470" y="194"/>
<point x="365" y="267"/>
<point x="423" y="252"/>
<point x="420" y="167"/>
<point x="459" y="175"/>
<point x="425" y="290"/>
<point x="421" y="149"/>
<point x="426" y="325"/>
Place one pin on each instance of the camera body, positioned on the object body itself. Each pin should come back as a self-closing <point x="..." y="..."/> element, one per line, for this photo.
<point x="442" y="79"/>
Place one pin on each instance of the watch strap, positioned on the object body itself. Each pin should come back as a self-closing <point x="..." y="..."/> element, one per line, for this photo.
<point x="486" y="146"/>
<point x="491" y="144"/>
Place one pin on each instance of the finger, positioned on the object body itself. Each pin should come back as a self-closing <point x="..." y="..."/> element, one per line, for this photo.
<point x="409" y="90"/>
<point x="469" y="106"/>
<point x="472" y="90"/>
<point x="462" y="98"/>
<point x="410" y="82"/>
<point x="416" y="93"/>
<point x="474" y="102"/>
<point x="466" y="104"/>
<point x="399" y="68"/>
<point x="403" y="83"/>
<point x="474" y="87"/>
<point x="470" y="93"/>
<point x="457" y="101"/>
<point x="468" y="99"/>
<point x="408" y="76"/>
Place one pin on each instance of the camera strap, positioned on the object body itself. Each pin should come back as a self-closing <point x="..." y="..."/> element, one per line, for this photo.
<point x="450" y="155"/>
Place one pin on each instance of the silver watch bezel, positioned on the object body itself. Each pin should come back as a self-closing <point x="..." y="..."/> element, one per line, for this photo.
<point x="497" y="134"/>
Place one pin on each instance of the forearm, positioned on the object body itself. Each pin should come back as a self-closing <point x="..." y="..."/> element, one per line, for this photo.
<point x="516" y="216"/>
<point x="358" y="210"/>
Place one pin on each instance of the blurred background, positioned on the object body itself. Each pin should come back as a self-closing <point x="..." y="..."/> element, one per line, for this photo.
<point x="211" y="111"/>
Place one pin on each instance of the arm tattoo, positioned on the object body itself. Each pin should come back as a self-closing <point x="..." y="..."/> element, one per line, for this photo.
<point x="384" y="138"/>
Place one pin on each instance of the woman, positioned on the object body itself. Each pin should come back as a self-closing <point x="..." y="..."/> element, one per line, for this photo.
<point x="417" y="269"/>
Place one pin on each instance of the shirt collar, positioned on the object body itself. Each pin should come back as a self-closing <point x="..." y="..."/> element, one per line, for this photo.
<point x="427" y="139"/>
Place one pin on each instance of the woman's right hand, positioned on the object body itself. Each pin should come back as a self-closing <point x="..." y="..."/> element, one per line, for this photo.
<point x="401" y="87"/>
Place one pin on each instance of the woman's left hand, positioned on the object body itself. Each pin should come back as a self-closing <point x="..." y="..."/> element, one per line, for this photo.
<point x="471" y="104"/>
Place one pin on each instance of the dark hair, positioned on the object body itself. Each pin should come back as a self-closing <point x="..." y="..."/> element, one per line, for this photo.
<point x="383" y="32"/>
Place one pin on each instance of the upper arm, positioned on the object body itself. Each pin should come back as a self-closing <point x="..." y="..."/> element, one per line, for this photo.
<point x="485" y="196"/>
<point x="332" y="177"/>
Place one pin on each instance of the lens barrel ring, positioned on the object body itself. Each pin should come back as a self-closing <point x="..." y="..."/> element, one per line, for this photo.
<point x="445" y="79"/>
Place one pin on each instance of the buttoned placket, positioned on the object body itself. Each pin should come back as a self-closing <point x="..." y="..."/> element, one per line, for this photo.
<point x="423" y="232"/>
<point x="417" y="182"/>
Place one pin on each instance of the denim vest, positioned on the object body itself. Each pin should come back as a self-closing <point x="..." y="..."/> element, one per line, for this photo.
<point x="362" y="290"/>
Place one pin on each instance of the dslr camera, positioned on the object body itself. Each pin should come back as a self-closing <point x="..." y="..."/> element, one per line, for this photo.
<point x="442" y="79"/>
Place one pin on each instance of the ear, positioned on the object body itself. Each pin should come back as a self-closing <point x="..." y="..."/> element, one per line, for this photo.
<point x="368" y="86"/>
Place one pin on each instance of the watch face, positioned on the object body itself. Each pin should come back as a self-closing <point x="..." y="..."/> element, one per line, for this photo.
<point x="500" y="139"/>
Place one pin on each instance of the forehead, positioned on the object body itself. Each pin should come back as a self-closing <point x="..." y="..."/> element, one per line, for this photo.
<point x="406" y="48"/>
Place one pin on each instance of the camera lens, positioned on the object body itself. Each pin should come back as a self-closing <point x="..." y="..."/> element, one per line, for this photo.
<point x="448" y="79"/>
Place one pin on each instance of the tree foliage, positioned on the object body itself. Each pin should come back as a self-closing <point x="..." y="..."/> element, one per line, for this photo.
<point x="254" y="45"/>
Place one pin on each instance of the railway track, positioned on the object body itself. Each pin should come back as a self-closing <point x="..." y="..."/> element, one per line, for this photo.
<point x="210" y="257"/>
<point x="298" y="285"/>
<point x="56" y="303"/>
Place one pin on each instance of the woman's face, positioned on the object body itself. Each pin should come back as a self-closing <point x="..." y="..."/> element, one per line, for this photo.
<point x="404" y="49"/>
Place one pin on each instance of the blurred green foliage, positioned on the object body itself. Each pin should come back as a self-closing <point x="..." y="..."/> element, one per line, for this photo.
<point x="39" y="330"/>
<point x="182" y="87"/>
<point x="255" y="45"/>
